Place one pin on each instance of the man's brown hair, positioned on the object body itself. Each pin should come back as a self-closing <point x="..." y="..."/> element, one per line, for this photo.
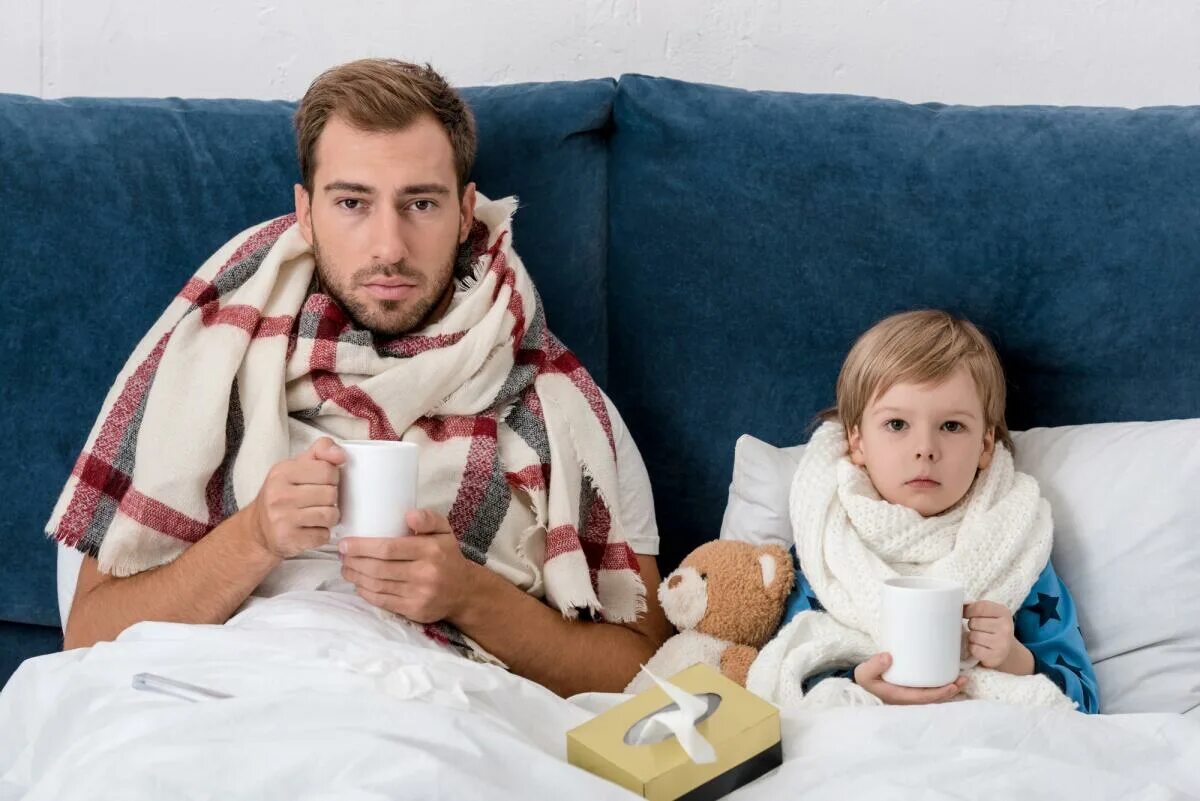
<point x="383" y="94"/>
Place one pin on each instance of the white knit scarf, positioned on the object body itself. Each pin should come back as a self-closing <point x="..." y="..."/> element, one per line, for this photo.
<point x="849" y="541"/>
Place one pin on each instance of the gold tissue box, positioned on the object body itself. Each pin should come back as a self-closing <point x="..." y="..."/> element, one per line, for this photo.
<point x="743" y="730"/>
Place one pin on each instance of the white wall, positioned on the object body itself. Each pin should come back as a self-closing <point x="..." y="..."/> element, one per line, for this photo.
<point x="1095" y="52"/>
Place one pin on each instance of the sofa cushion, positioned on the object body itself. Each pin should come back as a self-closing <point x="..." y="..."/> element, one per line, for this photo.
<point x="755" y="235"/>
<point x="19" y="642"/>
<point x="109" y="205"/>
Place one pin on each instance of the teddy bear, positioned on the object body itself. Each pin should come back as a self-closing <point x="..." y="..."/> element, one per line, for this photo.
<point x="725" y="599"/>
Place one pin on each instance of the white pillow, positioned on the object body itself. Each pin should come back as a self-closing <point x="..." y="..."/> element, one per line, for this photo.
<point x="1126" y="505"/>
<point x="69" y="562"/>
<point x="757" y="511"/>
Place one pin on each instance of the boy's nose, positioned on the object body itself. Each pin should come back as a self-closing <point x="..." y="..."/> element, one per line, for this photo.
<point x="926" y="449"/>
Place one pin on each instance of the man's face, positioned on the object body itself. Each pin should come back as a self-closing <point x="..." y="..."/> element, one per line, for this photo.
<point x="922" y="444"/>
<point x="385" y="221"/>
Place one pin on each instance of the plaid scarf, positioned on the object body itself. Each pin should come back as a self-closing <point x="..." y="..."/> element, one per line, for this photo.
<point x="516" y="442"/>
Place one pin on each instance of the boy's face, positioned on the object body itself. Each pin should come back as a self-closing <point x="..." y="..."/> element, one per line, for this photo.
<point x="921" y="444"/>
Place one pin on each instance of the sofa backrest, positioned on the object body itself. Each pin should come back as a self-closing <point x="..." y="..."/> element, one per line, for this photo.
<point x="108" y="206"/>
<point x="754" y="235"/>
<point x="709" y="253"/>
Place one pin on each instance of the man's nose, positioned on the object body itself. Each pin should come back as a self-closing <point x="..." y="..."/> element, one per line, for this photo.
<point x="387" y="239"/>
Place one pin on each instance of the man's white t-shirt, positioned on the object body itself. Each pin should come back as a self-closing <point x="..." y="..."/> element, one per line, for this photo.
<point x="320" y="568"/>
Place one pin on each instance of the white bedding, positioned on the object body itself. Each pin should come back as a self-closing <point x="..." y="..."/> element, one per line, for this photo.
<point x="334" y="701"/>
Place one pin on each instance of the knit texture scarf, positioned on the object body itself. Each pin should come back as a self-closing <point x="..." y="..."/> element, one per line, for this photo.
<point x="995" y="542"/>
<point x="249" y="364"/>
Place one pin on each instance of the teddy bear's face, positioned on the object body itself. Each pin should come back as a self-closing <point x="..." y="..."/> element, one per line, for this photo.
<point x="684" y="596"/>
<point x="734" y="591"/>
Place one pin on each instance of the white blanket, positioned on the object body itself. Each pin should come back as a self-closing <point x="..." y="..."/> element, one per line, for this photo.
<point x="333" y="700"/>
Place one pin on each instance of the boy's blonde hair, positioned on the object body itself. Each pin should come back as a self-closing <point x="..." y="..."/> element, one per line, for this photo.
<point x="920" y="347"/>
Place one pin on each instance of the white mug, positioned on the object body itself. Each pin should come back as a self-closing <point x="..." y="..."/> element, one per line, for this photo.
<point x="922" y="628"/>
<point x="377" y="488"/>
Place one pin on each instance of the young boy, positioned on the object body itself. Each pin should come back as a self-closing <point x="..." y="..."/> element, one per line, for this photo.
<point x="912" y="475"/>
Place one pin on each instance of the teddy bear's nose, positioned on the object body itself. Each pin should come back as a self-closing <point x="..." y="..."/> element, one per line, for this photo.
<point x="673" y="582"/>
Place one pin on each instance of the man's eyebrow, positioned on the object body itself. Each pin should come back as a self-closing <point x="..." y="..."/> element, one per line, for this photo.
<point x="349" y="186"/>
<point x="423" y="189"/>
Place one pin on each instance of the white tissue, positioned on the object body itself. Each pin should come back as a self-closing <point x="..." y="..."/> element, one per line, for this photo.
<point x="680" y="722"/>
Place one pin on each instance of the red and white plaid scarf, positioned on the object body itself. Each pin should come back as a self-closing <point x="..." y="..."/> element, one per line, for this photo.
<point x="516" y="442"/>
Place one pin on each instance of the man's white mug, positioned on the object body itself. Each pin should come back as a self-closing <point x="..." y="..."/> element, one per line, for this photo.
<point x="921" y="627"/>
<point x="377" y="488"/>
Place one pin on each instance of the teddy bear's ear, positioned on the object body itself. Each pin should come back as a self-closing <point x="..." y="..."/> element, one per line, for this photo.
<point x="777" y="572"/>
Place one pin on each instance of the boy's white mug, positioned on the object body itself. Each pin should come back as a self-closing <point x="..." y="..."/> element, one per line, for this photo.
<point x="377" y="487"/>
<point x="921" y="627"/>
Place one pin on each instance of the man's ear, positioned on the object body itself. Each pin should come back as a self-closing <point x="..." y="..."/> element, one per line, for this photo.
<point x="304" y="213"/>
<point x="989" y="449"/>
<point x="854" y="440"/>
<point x="466" y="212"/>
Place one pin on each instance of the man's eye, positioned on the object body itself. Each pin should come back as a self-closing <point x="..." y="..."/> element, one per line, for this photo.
<point x="895" y="425"/>
<point x="952" y="426"/>
<point x="423" y="205"/>
<point x="350" y="203"/>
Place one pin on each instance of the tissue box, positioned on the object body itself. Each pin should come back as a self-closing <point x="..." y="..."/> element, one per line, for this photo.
<point x="743" y="729"/>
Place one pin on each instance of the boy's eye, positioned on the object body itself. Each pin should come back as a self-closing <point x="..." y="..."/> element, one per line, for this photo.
<point x="952" y="426"/>
<point x="895" y="424"/>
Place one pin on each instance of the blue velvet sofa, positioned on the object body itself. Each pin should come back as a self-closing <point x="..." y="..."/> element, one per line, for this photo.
<point x="709" y="253"/>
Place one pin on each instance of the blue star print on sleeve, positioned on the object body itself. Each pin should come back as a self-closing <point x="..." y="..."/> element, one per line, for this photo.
<point x="1045" y="624"/>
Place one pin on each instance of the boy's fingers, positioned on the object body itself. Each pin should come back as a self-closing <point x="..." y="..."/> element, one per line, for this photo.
<point x="985" y="624"/>
<point x="984" y="609"/>
<point x="921" y="695"/>
<point x="876" y="666"/>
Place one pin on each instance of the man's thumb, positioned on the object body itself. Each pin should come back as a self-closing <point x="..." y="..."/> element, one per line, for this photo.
<point x="326" y="450"/>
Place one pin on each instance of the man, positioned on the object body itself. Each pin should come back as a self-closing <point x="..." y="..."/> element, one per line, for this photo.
<point x="388" y="309"/>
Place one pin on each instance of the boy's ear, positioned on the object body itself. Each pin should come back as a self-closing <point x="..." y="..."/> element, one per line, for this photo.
<point x="989" y="449"/>
<point x="854" y="440"/>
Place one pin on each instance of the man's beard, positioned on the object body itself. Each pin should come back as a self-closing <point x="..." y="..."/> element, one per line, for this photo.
<point x="384" y="317"/>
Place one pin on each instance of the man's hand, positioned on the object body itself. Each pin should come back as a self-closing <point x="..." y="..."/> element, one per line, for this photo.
<point x="297" y="504"/>
<point x="869" y="676"/>
<point x="423" y="577"/>
<point x="993" y="641"/>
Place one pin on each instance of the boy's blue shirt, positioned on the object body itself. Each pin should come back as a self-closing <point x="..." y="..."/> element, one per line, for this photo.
<point x="1046" y="624"/>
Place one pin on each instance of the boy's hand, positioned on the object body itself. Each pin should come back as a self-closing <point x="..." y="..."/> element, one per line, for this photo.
<point x="869" y="676"/>
<point x="992" y="638"/>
